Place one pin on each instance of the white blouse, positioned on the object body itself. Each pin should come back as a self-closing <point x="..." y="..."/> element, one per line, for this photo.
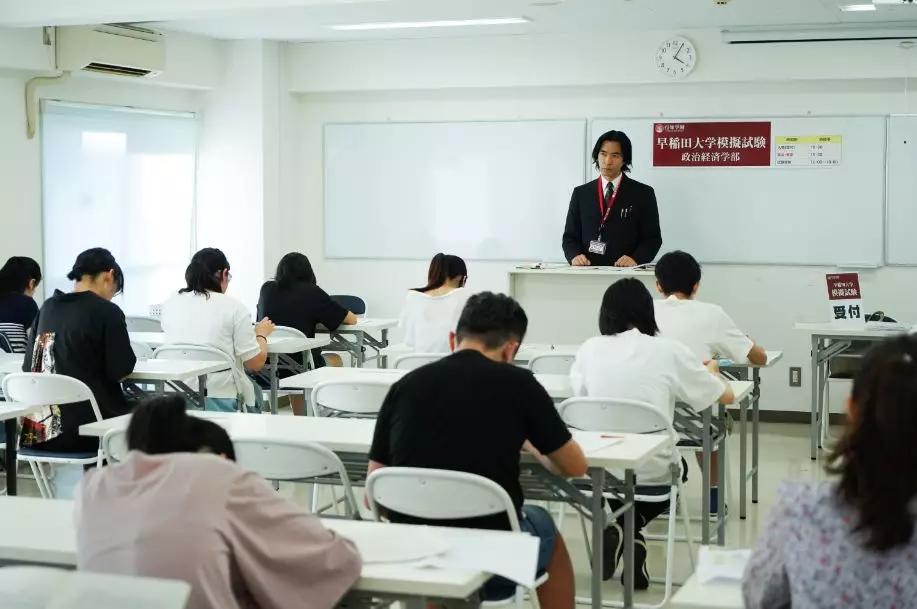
<point x="426" y="321"/>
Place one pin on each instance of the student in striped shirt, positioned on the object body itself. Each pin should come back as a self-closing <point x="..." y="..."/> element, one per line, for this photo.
<point x="19" y="278"/>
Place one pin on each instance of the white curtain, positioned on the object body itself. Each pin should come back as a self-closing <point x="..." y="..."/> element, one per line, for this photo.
<point x="122" y="179"/>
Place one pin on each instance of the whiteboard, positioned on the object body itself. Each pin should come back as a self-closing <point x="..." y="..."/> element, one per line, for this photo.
<point x="772" y="215"/>
<point x="901" y="246"/>
<point x="480" y="190"/>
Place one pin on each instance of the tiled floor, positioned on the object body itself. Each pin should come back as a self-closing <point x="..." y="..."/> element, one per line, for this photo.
<point x="784" y="455"/>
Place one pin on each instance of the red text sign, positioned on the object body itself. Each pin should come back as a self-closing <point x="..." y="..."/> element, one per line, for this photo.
<point x="719" y="144"/>
<point x="843" y="286"/>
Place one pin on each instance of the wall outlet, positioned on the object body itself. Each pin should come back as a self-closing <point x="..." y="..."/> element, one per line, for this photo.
<point x="795" y="376"/>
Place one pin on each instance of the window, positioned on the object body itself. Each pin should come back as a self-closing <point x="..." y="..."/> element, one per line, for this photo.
<point x="123" y="179"/>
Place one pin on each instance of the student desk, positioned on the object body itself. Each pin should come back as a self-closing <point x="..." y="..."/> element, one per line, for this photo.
<point x="743" y="372"/>
<point x="715" y="595"/>
<point x="829" y="341"/>
<point x="42" y="531"/>
<point x="9" y="414"/>
<point x="362" y="333"/>
<point x="352" y="439"/>
<point x="279" y="349"/>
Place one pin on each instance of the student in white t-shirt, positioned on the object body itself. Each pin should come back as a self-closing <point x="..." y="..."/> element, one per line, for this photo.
<point x="430" y="313"/>
<point x="629" y="361"/>
<point x="704" y="327"/>
<point x="202" y="314"/>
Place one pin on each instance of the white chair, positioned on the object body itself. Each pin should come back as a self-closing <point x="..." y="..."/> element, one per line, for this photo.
<point x="551" y="363"/>
<point x="294" y="461"/>
<point x="412" y="361"/>
<point x="114" y="445"/>
<point x="192" y="353"/>
<point x="50" y="389"/>
<point x="350" y="399"/>
<point x="142" y="351"/>
<point x="431" y="494"/>
<point x="631" y="416"/>
<point x="139" y="323"/>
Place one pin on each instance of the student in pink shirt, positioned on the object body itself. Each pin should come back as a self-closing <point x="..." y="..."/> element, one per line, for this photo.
<point x="180" y="508"/>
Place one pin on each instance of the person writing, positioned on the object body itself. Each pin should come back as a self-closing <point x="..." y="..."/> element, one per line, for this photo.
<point x="612" y="220"/>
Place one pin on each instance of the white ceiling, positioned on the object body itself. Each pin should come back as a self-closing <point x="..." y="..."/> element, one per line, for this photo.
<point x="307" y="20"/>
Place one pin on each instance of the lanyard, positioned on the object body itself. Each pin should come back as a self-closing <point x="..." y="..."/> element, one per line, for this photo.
<point x="614" y="197"/>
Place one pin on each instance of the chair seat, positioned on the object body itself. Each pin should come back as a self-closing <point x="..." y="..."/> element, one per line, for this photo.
<point x="49" y="454"/>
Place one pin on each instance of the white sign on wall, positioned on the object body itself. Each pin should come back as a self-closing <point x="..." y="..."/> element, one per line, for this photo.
<point x="808" y="150"/>
<point x="845" y="300"/>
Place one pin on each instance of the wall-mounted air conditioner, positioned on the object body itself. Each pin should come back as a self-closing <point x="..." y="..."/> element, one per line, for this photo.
<point x="818" y="33"/>
<point x="122" y="50"/>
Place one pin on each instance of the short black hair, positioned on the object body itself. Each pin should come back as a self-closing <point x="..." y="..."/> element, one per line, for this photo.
<point x="294" y="268"/>
<point x="677" y="273"/>
<point x="627" y="304"/>
<point x="202" y="274"/>
<point x="96" y="261"/>
<point x="627" y="150"/>
<point x="161" y="425"/>
<point x="492" y="319"/>
<point x="17" y="273"/>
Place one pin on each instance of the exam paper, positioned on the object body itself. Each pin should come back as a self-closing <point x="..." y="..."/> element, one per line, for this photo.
<point x="714" y="564"/>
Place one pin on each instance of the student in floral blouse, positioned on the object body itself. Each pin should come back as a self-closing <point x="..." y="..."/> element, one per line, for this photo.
<point x="851" y="542"/>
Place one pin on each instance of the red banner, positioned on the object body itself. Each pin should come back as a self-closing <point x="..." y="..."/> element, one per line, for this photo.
<point x="721" y="144"/>
<point x="843" y="286"/>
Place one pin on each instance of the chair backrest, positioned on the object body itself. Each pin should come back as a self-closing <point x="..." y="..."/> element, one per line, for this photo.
<point x="437" y="494"/>
<point x="114" y="445"/>
<point x="199" y="353"/>
<point x="412" y="361"/>
<point x="354" y="304"/>
<point x="349" y="398"/>
<point x="551" y="363"/>
<point x="285" y="460"/>
<point x="141" y="350"/>
<point x="41" y="388"/>
<point x="5" y="344"/>
<point x="616" y="415"/>
<point x="287" y="332"/>
<point x="139" y="323"/>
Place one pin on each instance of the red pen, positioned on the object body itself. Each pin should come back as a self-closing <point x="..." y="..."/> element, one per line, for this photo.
<point x="609" y="436"/>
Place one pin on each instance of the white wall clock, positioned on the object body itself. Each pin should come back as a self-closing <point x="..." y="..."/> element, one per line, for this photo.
<point x="676" y="57"/>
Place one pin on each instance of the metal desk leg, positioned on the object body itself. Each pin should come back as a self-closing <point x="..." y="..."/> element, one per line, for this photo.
<point x="361" y="352"/>
<point x="307" y="398"/>
<point x="822" y="380"/>
<point x="383" y="359"/>
<point x="722" y="454"/>
<point x="755" y="430"/>
<point x="202" y="391"/>
<point x="12" y="432"/>
<point x="629" y="530"/>
<point x="598" y="525"/>
<point x="813" y="424"/>
<point x="272" y="376"/>
<point x="743" y="460"/>
<point x="705" y="477"/>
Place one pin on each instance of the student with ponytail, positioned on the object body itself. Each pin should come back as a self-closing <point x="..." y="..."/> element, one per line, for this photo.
<point x="851" y="542"/>
<point x="202" y="314"/>
<point x="178" y="507"/>
<point x="430" y="313"/>
<point x="19" y="278"/>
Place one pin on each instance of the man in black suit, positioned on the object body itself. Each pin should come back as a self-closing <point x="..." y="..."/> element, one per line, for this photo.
<point x="612" y="220"/>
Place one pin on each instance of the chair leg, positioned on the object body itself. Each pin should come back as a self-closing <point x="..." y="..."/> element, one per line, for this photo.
<point x="46" y="478"/>
<point x="41" y="487"/>
<point x="686" y="520"/>
<point x="670" y="543"/>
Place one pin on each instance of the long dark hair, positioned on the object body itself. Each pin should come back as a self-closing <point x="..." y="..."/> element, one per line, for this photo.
<point x="294" y="268"/>
<point x="442" y="268"/>
<point x="627" y="304"/>
<point x="161" y="425"/>
<point x="94" y="262"/>
<point x="17" y="273"/>
<point x="627" y="149"/>
<point x="203" y="274"/>
<point x="875" y="458"/>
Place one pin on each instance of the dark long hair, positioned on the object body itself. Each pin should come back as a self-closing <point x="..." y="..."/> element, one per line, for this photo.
<point x="95" y="261"/>
<point x="627" y="149"/>
<point x="17" y="273"/>
<point x="203" y="274"/>
<point x="876" y="457"/>
<point x="627" y="304"/>
<point x="161" y="425"/>
<point x="442" y="268"/>
<point x="294" y="268"/>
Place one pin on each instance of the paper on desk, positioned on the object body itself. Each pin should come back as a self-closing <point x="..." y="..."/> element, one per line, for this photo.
<point x="715" y="564"/>
<point x="591" y="442"/>
<point x="388" y="545"/>
<point x="515" y="558"/>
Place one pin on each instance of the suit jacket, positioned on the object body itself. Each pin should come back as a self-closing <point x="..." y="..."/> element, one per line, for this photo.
<point x="632" y="228"/>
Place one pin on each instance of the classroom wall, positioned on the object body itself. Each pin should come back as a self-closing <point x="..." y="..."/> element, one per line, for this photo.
<point x="558" y="77"/>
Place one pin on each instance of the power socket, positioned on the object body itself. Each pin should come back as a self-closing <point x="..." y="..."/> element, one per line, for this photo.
<point x="795" y="376"/>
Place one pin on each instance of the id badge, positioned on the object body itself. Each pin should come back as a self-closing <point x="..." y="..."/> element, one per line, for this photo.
<point x="597" y="247"/>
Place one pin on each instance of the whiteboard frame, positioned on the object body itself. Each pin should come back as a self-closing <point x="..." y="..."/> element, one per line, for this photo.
<point x="884" y="255"/>
<point x="325" y="125"/>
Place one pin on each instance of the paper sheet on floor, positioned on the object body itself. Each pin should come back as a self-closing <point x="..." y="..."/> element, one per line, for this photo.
<point x="723" y="565"/>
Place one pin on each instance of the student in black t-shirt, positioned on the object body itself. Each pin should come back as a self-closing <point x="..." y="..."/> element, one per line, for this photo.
<point x="19" y="278"/>
<point x="474" y="411"/>
<point x="82" y="334"/>
<point x="294" y="299"/>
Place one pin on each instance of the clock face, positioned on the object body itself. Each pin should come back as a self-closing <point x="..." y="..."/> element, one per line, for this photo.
<point x="676" y="57"/>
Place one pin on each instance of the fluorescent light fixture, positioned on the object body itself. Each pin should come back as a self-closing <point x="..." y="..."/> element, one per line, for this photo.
<point x="856" y="8"/>
<point x="402" y="25"/>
